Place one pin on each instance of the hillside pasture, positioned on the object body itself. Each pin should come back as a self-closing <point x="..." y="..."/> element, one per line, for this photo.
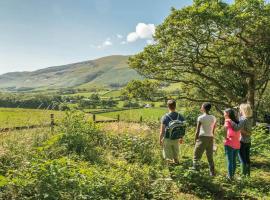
<point x="148" y="114"/>
<point x="14" y="117"/>
<point x="18" y="117"/>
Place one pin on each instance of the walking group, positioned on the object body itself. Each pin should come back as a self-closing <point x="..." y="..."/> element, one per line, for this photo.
<point x="237" y="140"/>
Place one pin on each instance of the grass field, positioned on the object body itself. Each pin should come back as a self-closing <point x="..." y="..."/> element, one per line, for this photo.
<point x="112" y="93"/>
<point x="12" y="117"/>
<point x="135" y="114"/>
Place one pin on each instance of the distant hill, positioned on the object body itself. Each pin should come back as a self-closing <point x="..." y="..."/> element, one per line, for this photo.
<point x="106" y="72"/>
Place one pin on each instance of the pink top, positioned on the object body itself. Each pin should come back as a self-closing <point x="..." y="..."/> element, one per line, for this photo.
<point x="233" y="137"/>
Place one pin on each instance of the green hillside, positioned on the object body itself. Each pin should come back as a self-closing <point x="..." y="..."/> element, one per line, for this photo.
<point x="111" y="71"/>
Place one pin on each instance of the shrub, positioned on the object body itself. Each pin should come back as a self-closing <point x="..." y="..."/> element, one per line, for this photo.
<point x="66" y="179"/>
<point x="134" y="149"/>
<point x="81" y="137"/>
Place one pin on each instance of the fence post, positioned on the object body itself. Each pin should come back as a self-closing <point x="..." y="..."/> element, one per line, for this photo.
<point x="141" y="119"/>
<point x="94" y="118"/>
<point x="118" y="118"/>
<point x="52" y="122"/>
<point x="158" y="119"/>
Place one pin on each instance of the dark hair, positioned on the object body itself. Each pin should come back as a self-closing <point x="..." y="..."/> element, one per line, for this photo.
<point x="232" y="115"/>
<point x="171" y="104"/>
<point x="207" y="107"/>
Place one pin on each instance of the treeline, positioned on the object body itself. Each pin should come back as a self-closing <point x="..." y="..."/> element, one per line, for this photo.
<point x="52" y="102"/>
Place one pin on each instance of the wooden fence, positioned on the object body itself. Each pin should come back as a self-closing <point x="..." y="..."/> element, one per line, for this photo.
<point x="52" y="123"/>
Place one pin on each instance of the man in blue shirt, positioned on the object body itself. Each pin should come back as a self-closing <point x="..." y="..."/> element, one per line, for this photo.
<point x="170" y="146"/>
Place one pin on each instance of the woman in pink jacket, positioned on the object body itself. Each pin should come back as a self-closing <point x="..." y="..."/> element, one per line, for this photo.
<point x="232" y="141"/>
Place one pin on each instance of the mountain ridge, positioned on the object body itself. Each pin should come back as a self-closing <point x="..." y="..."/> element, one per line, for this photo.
<point x="109" y="71"/>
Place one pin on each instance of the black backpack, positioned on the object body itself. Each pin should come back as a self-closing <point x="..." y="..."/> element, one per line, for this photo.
<point x="176" y="128"/>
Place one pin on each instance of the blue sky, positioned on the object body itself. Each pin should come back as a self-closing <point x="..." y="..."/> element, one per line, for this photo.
<point x="42" y="33"/>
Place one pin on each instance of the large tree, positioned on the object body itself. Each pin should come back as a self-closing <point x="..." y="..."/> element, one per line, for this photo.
<point x="219" y="52"/>
<point x="145" y="89"/>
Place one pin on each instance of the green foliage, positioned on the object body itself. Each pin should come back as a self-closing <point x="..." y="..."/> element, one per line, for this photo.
<point x="218" y="52"/>
<point x="81" y="137"/>
<point x="134" y="149"/>
<point x="131" y="104"/>
<point x="67" y="179"/>
<point x="261" y="140"/>
<point x="85" y="161"/>
<point x="145" y="90"/>
<point x="35" y="101"/>
<point x="59" y="168"/>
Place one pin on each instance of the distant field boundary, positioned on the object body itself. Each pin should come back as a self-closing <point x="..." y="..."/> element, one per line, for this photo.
<point x="3" y="130"/>
<point x="112" y="110"/>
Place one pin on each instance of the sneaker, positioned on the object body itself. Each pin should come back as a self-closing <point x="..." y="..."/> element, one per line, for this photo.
<point x="212" y="174"/>
<point x="229" y="178"/>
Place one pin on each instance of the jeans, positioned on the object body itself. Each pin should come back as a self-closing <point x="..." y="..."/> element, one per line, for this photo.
<point x="244" y="153"/>
<point x="244" y="156"/>
<point x="231" y="155"/>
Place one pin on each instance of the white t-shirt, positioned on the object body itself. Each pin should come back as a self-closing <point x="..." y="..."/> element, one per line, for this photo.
<point x="207" y="124"/>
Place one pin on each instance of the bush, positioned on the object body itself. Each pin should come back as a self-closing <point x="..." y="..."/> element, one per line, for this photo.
<point x="260" y="140"/>
<point x="82" y="137"/>
<point x="131" y="104"/>
<point x="133" y="149"/>
<point x="67" y="179"/>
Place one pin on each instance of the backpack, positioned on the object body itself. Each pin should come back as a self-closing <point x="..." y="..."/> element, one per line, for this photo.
<point x="176" y="128"/>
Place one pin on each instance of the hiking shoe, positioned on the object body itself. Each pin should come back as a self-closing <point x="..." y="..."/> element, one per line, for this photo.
<point x="229" y="178"/>
<point x="212" y="174"/>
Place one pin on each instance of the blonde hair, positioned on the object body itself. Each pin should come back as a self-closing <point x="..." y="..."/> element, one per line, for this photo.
<point x="246" y="110"/>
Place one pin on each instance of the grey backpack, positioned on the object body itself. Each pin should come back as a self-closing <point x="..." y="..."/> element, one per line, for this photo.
<point x="176" y="128"/>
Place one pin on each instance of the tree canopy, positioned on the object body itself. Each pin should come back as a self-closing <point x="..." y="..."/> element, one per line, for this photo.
<point x="219" y="52"/>
<point x="145" y="89"/>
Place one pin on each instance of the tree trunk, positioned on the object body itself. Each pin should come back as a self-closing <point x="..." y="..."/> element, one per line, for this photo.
<point x="251" y="96"/>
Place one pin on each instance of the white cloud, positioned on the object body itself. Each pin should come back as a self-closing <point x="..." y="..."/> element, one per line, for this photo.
<point x="106" y="43"/>
<point x="119" y="36"/>
<point x="123" y="42"/>
<point x="132" y="37"/>
<point x="143" y="31"/>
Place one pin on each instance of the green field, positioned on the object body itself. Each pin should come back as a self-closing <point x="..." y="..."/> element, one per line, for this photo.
<point x="135" y="114"/>
<point x="12" y="117"/>
<point x="112" y="93"/>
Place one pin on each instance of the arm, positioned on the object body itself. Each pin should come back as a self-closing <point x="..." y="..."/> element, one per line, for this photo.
<point x="197" y="131"/>
<point x="214" y="128"/>
<point x="226" y="124"/>
<point x="239" y="126"/>
<point x="162" y="132"/>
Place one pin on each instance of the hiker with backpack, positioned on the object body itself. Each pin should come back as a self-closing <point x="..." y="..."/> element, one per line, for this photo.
<point x="232" y="141"/>
<point x="204" y="138"/>
<point x="171" y="133"/>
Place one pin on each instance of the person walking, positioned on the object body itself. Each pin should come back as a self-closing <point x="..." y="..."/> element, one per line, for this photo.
<point x="204" y="138"/>
<point x="170" y="144"/>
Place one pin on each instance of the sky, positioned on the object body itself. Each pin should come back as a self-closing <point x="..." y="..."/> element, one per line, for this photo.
<point x="40" y="33"/>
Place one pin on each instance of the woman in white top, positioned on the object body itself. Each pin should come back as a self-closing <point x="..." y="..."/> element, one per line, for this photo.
<point x="204" y="138"/>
